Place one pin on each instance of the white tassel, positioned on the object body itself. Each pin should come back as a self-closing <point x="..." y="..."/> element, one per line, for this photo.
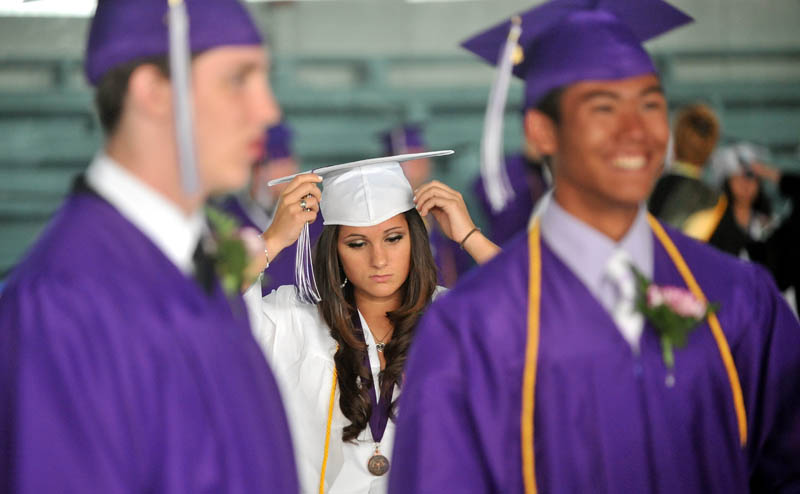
<point x="304" y="279"/>
<point x="495" y="178"/>
<point x="180" y="75"/>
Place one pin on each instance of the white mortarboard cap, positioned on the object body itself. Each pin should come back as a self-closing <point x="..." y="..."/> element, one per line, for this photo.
<point x="724" y="163"/>
<point x="365" y="195"/>
<point x="360" y="193"/>
<point x="735" y="159"/>
<point x="751" y="153"/>
<point x="366" y="192"/>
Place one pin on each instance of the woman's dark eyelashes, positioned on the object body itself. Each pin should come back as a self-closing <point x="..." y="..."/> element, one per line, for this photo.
<point x="391" y="238"/>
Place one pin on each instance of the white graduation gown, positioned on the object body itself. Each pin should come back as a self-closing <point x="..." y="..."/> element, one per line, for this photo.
<point x="298" y="345"/>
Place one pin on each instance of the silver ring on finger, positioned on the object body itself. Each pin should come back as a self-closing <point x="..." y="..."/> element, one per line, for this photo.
<point x="303" y="204"/>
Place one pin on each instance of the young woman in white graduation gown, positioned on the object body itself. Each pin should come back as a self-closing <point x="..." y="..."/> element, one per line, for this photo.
<point x="340" y="362"/>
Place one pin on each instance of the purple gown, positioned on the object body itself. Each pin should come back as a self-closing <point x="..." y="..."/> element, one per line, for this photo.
<point x="604" y="420"/>
<point x="451" y="261"/>
<point x="119" y="374"/>
<point x="529" y="185"/>
<point x="281" y="269"/>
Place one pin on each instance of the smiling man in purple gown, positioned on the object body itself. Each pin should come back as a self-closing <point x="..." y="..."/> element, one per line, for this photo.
<point x="540" y="372"/>
<point x="124" y="367"/>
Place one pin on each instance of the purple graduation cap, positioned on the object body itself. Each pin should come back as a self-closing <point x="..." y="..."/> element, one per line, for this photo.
<point x="566" y="41"/>
<point x="402" y="140"/>
<point x="123" y="31"/>
<point x="278" y="142"/>
<point x="559" y="43"/>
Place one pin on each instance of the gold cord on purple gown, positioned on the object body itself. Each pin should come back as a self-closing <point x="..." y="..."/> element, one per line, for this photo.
<point x="532" y="347"/>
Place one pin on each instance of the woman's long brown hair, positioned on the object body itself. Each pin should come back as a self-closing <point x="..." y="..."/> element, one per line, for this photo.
<point x="338" y="306"/>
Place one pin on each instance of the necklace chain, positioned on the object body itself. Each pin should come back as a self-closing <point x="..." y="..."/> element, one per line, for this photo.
<point x="379" y="343"/>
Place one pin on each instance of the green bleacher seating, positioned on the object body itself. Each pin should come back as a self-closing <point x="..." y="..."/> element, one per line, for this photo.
<point x="338" y="105"/>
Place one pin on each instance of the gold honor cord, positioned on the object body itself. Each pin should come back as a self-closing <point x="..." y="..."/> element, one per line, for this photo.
<point x="719" y="212"/>
<point x="331" y="402"/>
<point x="532" y="347"/>
<point x="702" y="224"/>
<point x="713" y="322"/>
<point x="531" y="357"/>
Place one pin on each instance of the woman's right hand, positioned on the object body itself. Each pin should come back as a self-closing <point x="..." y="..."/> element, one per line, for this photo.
<point x="297" y="205"/>
<point x="767" y="172"/>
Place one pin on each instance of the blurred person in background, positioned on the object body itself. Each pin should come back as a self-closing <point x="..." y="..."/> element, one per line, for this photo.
<point x="681" y="192"/>
<point x="743" y="214"/>
<point x="451" y="260"/>
<point x="742" y="223"/>
<point x="255" y="205"/>
<point x="783" y="245"/>
<point x="408" y="139"/>
<point x="530" y="177"/>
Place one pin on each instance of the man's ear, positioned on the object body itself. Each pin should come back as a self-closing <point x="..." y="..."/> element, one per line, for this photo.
<point x="149" y="93"/>
<point x="540" y="131"/>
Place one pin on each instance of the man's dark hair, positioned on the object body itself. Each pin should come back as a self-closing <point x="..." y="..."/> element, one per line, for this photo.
<point x="696" y="133"/>
<point x="109" y="95"/>
<point x="550" y="105"/>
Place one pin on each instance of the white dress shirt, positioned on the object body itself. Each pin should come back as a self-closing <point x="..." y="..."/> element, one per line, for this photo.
<point x="163" y="222"/>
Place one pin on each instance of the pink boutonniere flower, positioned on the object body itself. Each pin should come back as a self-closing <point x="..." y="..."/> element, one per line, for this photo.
<point x="234" y="250"/>
<point x="680" y="300"/>
<point x="673" y="311"/>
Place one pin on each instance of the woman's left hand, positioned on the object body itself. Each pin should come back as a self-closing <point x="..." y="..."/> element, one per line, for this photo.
<point x="450" y="212"/>
<point x="448" y="208"/>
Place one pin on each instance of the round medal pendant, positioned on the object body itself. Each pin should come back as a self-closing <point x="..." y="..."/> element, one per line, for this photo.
<point x="378" y="465"/>
<point x="380" y="346"/>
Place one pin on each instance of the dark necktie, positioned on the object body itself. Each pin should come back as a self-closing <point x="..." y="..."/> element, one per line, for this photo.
<point x="203" y="267"/>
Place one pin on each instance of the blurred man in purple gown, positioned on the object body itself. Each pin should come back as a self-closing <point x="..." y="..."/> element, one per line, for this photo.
<point x="543" y="371"/>
<point x="124" y="367"/>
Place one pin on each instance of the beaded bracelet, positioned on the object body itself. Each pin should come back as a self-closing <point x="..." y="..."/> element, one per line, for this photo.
<point x="266" y="252"/>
